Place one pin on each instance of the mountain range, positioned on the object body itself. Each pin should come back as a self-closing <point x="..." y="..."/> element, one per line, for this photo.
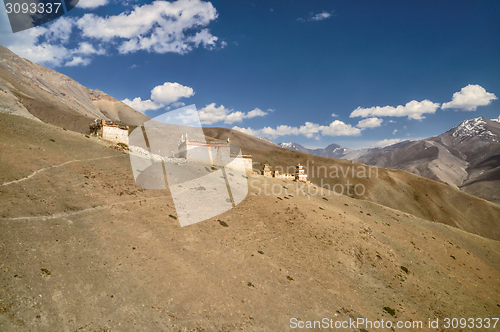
<point x="466" y="157"/>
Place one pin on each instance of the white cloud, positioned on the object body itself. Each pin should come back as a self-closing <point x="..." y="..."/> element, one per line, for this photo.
<point x="335" y="115"/>
<point x="321" y="16"/>
<point x="91" y="3"/>
<point x="339" y="128"/>
<point x="413" y="110"/>
<point x="161" y="27"/>
<point x="386" y="142"/>
<point x="211" y="114"/>
<point x="142" y="105"/>
<point x="78" y="61"/>
<point x="309" y="130"/>
<point x="395" y="131"/>
<point x="370" y="123"/>
<point x="26" y="43"/>
<point x="316" y="17"/>
<point x="248" y="131"/>
<point x="469" y="98"/>
<point x="87" y="49"/>
<point x="170" y="92"/>
<point x="161" y="96"/>
<point x="256" y="112"/>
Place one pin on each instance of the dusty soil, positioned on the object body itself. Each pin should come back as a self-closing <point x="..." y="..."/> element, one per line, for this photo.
<point x="82" y="248"/>
<point x="393" y="188"/>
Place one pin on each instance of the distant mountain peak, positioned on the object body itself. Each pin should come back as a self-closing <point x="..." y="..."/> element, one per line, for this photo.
<point x="473" y="128"/>
<point x="264" y="138"/>
<point x="289" y="145"/>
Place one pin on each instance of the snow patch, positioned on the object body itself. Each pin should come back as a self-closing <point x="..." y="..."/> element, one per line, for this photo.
<point x="473" y="128"/>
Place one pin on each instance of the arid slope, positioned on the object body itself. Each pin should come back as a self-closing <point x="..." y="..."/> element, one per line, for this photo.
<point x="397" y="189"/>
<point x="37" y="92"/>
<point x="84" y="249"/>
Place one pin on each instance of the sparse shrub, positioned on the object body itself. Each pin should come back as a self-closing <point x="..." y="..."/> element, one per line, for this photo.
<point x="390" y="311"/>
<point x="172" y="216"/>
<point x="223" y="223"/>
<point x="45" y="271"/>
<point x="405" y="269"/>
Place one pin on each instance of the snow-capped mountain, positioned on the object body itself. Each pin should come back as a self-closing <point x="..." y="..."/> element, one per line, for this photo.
<point x="466" y="156"/>
<point x="474" y="128"/>
<point x="291" y="146"/>
<point x="264" y="138"/>
<point x="331" y="151"/>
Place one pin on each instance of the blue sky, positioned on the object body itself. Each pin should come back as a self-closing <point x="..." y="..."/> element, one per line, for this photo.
<point x="388" y="71"/>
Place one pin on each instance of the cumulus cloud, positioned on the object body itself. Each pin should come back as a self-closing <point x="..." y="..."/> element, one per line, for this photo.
<point x="309" y="130"/>
<point x="92" y="3"/>
<point x="248" y="131"/>
<point x="170" y="92"/>
<point x="370" y="123"/>
<point x="87" y="49"/>
<point x="386" y="142"/>
<point x="335" y="115"/>
<point x="339" y="128"/>
<point x="161" y="96"/>
<point x="142" y="105"/>
<point x="211" y="114"/>
<point x="469" y="98"/>
<point x="162" y="26"/>
<point x="78" y="61"/>
<point x="41" y="44"/>
<point x="413" y="110"/>
<point x="159" y="27"/>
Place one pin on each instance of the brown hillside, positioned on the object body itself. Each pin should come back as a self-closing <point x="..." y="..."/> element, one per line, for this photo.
<point x="35" y="91"/>
<point x="85" y="249"/>
<point x="396" y="189"/>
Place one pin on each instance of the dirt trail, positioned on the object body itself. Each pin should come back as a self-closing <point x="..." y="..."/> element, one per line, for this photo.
<point x="52" y="167"/>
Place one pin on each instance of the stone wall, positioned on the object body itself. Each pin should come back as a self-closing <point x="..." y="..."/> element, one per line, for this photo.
<point x="214" y="154"/>
<point x="241" y="163"/>
<point x="115" y="134"/>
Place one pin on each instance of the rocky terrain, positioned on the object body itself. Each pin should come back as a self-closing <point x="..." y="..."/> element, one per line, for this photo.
<point x="84" y="249"/>
<point x="37" y="92"/>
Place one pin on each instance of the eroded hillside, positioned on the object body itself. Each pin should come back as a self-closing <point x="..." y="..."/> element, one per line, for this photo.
<point x="83" y="248"/>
